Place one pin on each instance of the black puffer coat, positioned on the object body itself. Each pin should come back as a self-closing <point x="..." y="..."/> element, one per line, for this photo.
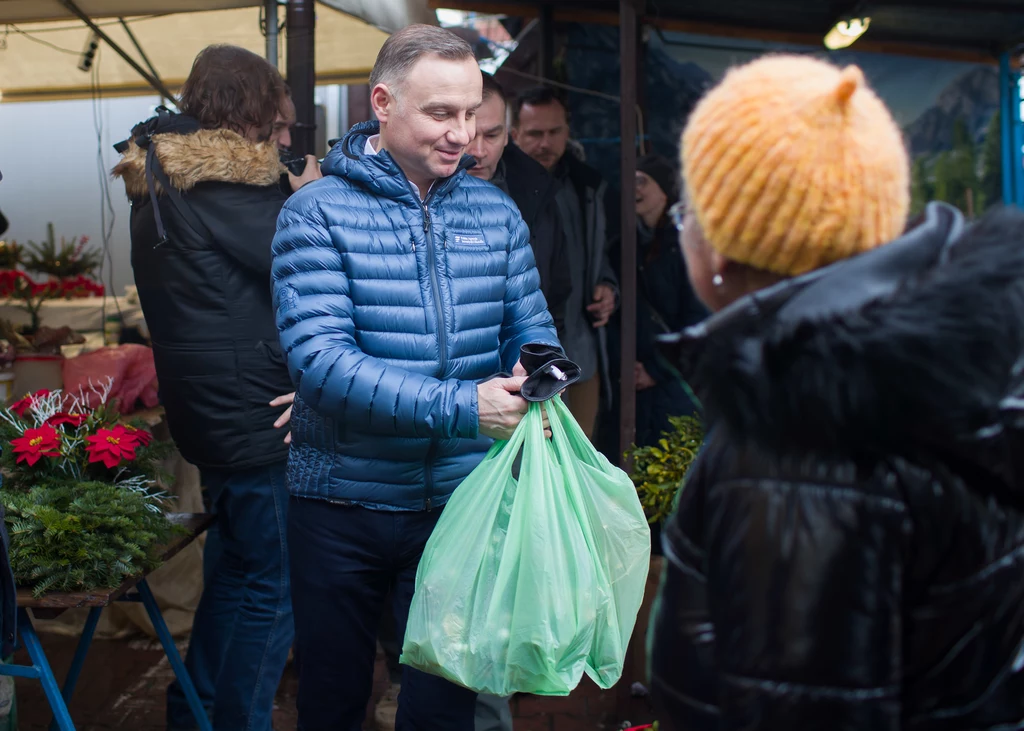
<point x="206" y="294"/>
<point x="848" y="552"/>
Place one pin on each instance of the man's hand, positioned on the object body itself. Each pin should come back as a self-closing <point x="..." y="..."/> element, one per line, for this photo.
<point x="286" y="416"/>
<point x="518" y="370"/>
<point x="643" y="378"/>
<point x="309" y="174"/>
<point x="500" y="408"/>
<point x="604" y="304"/>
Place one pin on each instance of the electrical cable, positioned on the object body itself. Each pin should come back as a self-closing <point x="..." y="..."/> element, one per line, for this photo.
<point x="106" y="203"/>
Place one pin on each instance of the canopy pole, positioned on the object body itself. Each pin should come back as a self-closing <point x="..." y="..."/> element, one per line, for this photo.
<point x="300" y="25"/>
<point x="142" y="53"/>
<point x="150" y="79"/>
<point x="628" y="49"/>
<point x="270" y="30"/>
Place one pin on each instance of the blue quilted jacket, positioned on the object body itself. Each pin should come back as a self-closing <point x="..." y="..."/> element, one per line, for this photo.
<point x="391" y="310"/>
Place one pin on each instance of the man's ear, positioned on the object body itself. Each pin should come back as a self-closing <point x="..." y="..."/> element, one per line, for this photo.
<point x="382" y="101"/>
<point x="514" y="131"/>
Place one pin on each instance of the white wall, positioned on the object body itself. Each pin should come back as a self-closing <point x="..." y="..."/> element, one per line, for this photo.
<point x="49" y="159"/>
<point x="51" y="172"/>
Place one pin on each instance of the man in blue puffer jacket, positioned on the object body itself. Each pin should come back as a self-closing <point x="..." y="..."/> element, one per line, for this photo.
<point x="401" y="283"/>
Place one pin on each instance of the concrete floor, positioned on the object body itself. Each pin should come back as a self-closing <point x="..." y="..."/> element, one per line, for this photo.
<point x="123" y="683"/>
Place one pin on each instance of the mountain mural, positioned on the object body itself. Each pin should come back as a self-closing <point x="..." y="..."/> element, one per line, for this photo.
<point x="973" y="98"/>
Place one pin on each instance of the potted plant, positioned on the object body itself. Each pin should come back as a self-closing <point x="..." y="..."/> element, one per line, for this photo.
<point x="83" y="507"/>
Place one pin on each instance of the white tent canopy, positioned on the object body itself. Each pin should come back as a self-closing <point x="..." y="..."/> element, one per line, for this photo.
<point x="388" y="15"/>
<point x="39" y="60"/>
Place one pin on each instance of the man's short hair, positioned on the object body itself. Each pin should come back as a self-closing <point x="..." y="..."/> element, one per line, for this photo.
<point x="403" y="49"/>
<point x="233" y="88"/>
<point x="493" y="88"/>
<point x="538" y="96"/>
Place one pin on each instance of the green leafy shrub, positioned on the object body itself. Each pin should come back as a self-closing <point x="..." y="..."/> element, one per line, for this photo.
<point x="659" y="470"/>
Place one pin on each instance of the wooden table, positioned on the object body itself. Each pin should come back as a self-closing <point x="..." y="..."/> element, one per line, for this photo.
<point x="135" y="589"/>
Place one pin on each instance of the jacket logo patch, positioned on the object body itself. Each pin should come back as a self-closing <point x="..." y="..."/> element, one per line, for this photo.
<point x="470" y="239"/>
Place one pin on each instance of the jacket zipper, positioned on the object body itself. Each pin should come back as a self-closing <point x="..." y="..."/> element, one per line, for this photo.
<point x="442" y="331"/>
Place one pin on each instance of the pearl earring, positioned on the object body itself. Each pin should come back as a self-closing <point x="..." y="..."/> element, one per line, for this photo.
<point x="717" y="280"/>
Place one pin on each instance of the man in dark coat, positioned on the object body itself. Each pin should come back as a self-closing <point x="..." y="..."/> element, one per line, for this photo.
<point x="201" y="231"/>
<point x="540" y="126"/>
<point x="534" y="192"/>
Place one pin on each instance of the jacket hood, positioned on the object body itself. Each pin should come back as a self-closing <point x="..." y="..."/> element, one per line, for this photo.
<point x="379" y="173"/>
<point x="913" y="349"/>
<point x="205" y="155"/>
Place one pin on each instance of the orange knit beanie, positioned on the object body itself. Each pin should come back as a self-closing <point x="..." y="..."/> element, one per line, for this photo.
<point x="791" y="164"/>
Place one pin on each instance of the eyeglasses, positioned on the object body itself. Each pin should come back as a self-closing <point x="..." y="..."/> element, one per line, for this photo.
<point x="678" y="213"/>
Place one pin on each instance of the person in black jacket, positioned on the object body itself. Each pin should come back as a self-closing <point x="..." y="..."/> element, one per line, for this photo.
<point x="534" y="191"/>
<point x="666" y="302"/>
<point x="201" y="234"/>
<point x="848" y="550"/>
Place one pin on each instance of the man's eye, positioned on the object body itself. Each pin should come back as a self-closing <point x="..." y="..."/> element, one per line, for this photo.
<point x="493" y="136"/>
<point x="440" y="116"/>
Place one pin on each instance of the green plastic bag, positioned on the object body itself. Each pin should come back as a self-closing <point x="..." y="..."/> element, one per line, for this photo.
<point x="526" y="585"/>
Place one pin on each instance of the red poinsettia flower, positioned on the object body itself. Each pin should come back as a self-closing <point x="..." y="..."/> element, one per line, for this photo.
<point x="36" y="444"/>
<point x="112" y="446"/>
<point x="142" y="435"/>
<point x="23" y="405"/>
<point x="75" y="420"/>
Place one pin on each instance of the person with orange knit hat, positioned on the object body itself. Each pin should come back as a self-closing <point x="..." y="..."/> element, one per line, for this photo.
<point x="848" y="550"/>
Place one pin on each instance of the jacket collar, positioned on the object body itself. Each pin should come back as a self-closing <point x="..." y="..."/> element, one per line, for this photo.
<point x="379" y="173"/>
<point x="915" y="347"/>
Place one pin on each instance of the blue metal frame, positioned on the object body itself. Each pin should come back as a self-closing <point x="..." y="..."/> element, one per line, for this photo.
<point x="58" y="699"/>
<point x="1012" y="129"/>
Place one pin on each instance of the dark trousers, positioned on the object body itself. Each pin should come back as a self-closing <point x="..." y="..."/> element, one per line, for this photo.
<point x="345" y="560"/>
<point x="243" y="625"/>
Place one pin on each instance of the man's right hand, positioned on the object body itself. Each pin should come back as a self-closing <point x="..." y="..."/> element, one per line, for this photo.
<point x="500" y="408"/>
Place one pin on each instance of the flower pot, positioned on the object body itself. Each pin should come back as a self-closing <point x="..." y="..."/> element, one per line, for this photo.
<point x="33" y="371"/>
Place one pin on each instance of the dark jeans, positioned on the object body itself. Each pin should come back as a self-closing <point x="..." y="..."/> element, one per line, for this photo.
<point x="243" y="626"/>
<point x="345" y="560"/>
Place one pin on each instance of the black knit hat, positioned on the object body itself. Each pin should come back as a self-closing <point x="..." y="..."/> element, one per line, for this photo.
<point x="662" y="172"/>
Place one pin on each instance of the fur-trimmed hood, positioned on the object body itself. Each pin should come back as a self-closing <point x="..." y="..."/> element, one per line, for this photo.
<point x="206" y="155"/>
<point x="913" y="349"/>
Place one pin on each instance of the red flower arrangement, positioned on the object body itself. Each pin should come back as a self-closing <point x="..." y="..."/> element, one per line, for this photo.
<point x="54" y="435"/>
<point x="36" y="444"/>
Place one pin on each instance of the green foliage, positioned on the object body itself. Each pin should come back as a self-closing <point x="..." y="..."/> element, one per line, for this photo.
<point x="921" y="189"/>
<point x="73" y="536"/>
<point x="66" y="259"/>
<point x="659" y="471"/>
<point x="992" y="163"/>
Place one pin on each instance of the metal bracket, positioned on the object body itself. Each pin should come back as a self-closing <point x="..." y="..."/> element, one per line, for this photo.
<point x="151" y="79"/>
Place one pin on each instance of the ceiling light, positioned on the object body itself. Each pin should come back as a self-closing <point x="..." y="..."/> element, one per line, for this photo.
<point x="846" y="32"/>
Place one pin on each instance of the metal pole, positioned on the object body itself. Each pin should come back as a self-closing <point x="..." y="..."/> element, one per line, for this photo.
<point x="142" y="53"/>
<point x="301" y="25"/>
<point x="547" y="41"/>
<point x="627" y="278"/>
<point x="270" y="16"/>
<point x="151" y="80"/>
<point x="1006" y="128"/>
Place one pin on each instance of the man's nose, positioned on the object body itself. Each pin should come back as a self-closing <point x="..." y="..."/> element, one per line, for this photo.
<point x="462" y="132"/>
<point x="476" y="147"/>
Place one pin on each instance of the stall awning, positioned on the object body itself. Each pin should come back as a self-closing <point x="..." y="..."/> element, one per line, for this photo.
<point x="40" y="60"/>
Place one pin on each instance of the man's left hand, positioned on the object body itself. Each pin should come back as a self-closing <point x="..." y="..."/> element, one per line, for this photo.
<point x="604" y="304"/>
<point x="286" y="416"/>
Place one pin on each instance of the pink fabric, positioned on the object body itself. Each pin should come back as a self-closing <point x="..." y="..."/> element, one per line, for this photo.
<point x="132" y="368"/>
